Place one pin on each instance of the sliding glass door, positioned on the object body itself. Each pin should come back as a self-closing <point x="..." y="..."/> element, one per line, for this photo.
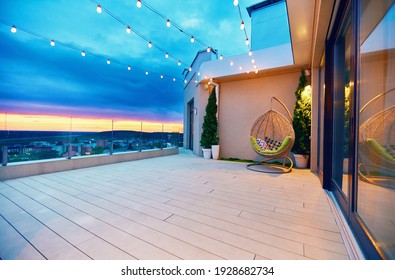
<point x="360" y="108"/>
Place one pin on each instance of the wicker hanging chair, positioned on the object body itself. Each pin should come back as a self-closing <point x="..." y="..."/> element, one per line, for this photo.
<point x="377" y="147"/>
<point x="272" y="137"/>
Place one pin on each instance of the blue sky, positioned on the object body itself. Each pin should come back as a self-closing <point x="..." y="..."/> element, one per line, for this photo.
<point x="36" y="78"/>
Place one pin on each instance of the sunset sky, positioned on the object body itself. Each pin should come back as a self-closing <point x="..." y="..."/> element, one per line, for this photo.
<point x="37" y="79"/>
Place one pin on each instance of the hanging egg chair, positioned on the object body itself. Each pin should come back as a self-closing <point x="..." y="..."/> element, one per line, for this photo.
<point x="376" y="163"/>
<point x="272" y="137"/>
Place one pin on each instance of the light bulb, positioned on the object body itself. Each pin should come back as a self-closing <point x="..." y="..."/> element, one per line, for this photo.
<point x="174" y="79"/>
<point x="129" y="67"/>
<point x="208" y="49"/>
<point x="192" y="39"/>
<point x="220" y="57"/>
<point x="254" y="66"/>
<point x="247" y="41"/>
<point x="236" y="2"/>
<point x="161" y="76"/>
<point x="256" y="71"/>
<point x="190" y="69"/>
<point x="146" y="72"/>
<point x="179" y="63"/>
<point x="168" y="23"/>
<point x="250" y="53"/>
<point x="240" y="68"/>
<point x="52" y="43"/>
<point x="13" y="29"/>
<point x="138" y="4"/>
<point x="242" y="25"/>
<point x="185" y="81"/>
<point x="167" y="55"/>
<point x="231" y="63"/>
<point x="83" y="53"/>
<point x="149" y="44"/>
<point x="196" y="82"/>
<point x="198" y="73"/>
<point x="99" y="9"/>
<point x="108" y="61"/>
<point x="128" y="29"/>
<point x="252" y="61"/>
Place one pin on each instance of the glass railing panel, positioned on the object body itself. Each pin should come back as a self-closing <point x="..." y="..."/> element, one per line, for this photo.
<point x="34" y="137"/>
<point x="174" y="135"/>
<point x="90" y="136"/>
<point x="126" y="136"/>
<point x="152" y="136"/>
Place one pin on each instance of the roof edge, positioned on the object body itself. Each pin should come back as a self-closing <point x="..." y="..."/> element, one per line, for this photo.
<point x="261" y="5"/>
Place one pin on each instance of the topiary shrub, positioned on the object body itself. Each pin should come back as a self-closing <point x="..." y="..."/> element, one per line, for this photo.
<point x="302" y="117"/>
<point x="210" y="123"/>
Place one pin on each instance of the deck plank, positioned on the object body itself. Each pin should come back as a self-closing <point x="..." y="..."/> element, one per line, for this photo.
<point x="174" y="207"/>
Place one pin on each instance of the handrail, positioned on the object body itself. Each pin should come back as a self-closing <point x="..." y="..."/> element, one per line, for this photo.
<point x="374" y="99"/>
<point x="285" y="107"/>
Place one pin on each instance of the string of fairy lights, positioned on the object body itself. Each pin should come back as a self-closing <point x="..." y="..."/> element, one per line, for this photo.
<point x="129" y="29"/>
<point x="55" y="42"/>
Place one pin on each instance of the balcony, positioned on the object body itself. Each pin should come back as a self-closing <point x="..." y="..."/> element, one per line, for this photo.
<point x="172" y="207"/>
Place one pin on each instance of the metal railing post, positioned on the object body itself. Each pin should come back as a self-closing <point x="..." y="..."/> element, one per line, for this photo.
<point x="69" y="151"/>
<point x="4" y="159"/>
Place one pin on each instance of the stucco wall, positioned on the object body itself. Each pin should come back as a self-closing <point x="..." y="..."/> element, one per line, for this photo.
<point x="242" y="102"/>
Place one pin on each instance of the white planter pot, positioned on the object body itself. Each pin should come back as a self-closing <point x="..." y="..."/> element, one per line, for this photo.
<point x="215" y="151"/>
<point x="301" y="161"/>
<point x="207" y="153"/>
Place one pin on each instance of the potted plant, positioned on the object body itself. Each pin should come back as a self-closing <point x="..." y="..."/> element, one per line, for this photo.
<point x="210" y="126"/>
<point x="215" y="147"/>
<point x="302" y="122"/>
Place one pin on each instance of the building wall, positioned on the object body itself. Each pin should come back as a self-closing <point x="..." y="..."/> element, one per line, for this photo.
<point x="242" y="102"/>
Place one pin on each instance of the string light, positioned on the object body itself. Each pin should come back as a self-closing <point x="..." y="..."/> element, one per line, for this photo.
<point x="247" y="42"/>
<point x="236" y="2"/>
<point x="242" y="25"/>
<point x="179" y="63"/>
<point x="192" y="39"/>
<point x="185" y="81"/>
<point x="174" y="79"/>
<point x="252" y="61"/>
<point x="169" y="22"/>
<point x="138" y="4"/>
<point x="250" y="53"/>
<point x="208" y="49"/>
<point x="83" y="53"/>
<point x="99" y="9"/>
<point x="167" y="55"/>
<point x="220" y="57"/>
<point x="161" y="76"/>
<point x="128" y="29"/>
<point x="190" y="69"/>
<point x="150" y="43"/>
<point x="231" y="63"/>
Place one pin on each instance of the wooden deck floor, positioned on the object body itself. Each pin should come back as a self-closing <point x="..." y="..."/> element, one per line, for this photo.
<point x="174" y="207"/>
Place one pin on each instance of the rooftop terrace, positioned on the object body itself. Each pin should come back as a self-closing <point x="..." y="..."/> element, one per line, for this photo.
<point x="172" y="207"/>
